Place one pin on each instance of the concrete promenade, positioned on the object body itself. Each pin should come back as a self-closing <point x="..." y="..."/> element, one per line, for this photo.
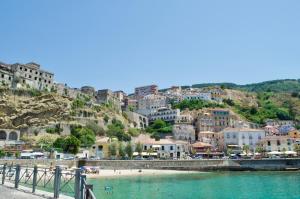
<point x="9" y="193"/>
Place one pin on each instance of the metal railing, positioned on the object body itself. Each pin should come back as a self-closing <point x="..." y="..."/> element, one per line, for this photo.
<point x="57" y="181"/>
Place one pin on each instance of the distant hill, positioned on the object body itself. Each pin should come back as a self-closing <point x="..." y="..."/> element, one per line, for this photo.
<point x="285" y="85"/>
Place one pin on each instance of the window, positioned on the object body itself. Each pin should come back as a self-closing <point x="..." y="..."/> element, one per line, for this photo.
<point x="269" y="143"/>
<point x="278" y="142"/>
<point x="228" y="135"/>
<point x="162" y="148"/>
<point x="21" y="68"/>
<point x="25" y="69"/>
<point x="145" y="148"/>
<point x="171" y="148"/>
<point x="2" y="75"/>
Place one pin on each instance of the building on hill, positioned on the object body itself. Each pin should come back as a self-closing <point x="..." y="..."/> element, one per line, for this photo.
<point x="100" y="149"/>
<point x="184" y="132"/>
<point x="65" y="90"/>
<point x="271" y="122"/>
<point x="213" y="120"/>
<point x="139" y="121"/>
<point x="28" y="75"/>
<point x="240" y="137"/>
<point x="184" y="119"/>
<point x="88" y="90"/>
<point x="143" y="91"/>
<point x="150" y="104"/>
<point x="198" y="96"/>
<point x="165" y="114"/>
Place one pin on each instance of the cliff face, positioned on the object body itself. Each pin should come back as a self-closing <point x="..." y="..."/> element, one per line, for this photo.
<point x="23" y="111"/>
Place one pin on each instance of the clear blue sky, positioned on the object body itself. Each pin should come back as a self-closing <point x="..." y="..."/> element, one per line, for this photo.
<point x="121" y="44"/>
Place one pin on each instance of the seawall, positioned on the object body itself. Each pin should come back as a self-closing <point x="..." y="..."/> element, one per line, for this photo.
<point x="199" y="165"/>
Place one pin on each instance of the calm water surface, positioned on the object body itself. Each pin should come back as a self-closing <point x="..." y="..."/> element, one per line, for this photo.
<point x="231" y="185"/>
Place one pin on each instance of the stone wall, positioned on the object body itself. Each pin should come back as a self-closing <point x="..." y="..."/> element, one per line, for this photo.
<point x="40" y="163"/>
<point x="200" y="165"/>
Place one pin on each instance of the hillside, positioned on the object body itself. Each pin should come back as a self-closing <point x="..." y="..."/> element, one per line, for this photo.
<point x="286" y="85"/>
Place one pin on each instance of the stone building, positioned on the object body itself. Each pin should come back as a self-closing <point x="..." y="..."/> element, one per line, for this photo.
<point x="215" y="139"/>
<point x="184" y="132"/>
<point x="213" y="120"/>
<point x="65" y="90"/>
<point x="143" y="91"/>
<point x="9" y="137"/>
<point x="88" y="90"/>
<point x="28" y="75"/>
<point x="150" y="104"/>
<point x="278" y="143"/>
<point x="139" y="121"/>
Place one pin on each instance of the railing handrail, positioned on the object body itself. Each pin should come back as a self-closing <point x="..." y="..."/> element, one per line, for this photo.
<point x="82" y="190"/>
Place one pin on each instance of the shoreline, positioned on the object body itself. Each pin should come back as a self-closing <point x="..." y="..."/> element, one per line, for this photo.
<point x="109" y="173"/>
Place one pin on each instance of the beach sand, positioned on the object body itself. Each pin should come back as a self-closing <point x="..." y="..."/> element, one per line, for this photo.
<point x="135" y="172"/>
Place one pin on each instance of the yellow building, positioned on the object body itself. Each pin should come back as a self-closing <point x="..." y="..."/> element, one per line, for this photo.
<point x="100" y="148"/>
<point x="294" y="134"/>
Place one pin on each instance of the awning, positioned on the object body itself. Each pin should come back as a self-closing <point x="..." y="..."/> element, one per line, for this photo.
<point x="275" y="153"/>
<point x="156" y="146"/>
<point x="290" y="153"/>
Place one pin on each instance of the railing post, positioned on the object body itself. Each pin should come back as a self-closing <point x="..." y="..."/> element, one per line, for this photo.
<point x="34" y="181"/>
<point x="3" y="173"/>
<point x="17" y="177"/>
<point x="57" y="180"/>
<point x="83" y="179"/>
<point x="88" y="194"/>
<point x="77" y="184"/>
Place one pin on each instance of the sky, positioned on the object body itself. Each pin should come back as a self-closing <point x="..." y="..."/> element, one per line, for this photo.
<point x="122" y="44"/>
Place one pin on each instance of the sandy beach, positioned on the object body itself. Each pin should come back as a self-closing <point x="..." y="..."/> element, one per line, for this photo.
<point x="135" y="172"/>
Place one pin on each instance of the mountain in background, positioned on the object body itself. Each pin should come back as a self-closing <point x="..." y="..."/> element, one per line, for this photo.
<point x="285" y="85"/>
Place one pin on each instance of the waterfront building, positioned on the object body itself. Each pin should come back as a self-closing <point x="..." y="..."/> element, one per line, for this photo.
<point x="101" y="148"/>
<point x="163" y="148"/>
<point x="241" y="137"/>
<point x="143" y="91"/>
<point x="139" y="121"/>
<point x="150" y="104"/>
<point x="165" y="114"/>
<point x="215" y="139"/>
<point x="271" y="130"/>
<point x="202" y="147"/>
<point x="294" y="134"/>
<point x="278" y="143"/>
<point x="184" y="132"/>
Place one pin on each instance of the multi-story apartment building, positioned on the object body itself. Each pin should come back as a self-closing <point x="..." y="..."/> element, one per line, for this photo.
<point x="216" y="139"/>
<point x="26" y="75"/>
<point x="240" y="137"/>
<point x="143" y="91"/>
<point x="166" y="114"/>
<point x="213" y="120"/>
<point x="278" y="143"/>
<point x="150" y="104"/>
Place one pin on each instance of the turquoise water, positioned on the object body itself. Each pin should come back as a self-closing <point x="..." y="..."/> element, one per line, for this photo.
<point x="231" y="185"/>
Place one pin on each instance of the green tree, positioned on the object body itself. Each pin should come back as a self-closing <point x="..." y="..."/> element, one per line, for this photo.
<point x="59" y="143"/>
<point x="46" y="142"/>
<point x="87" y="137"/>
<point x="297" y="149"/>
<point x="139" y="148"/>
<point x="129" y="150"/>
<point x="122" y="152"/>
<point x="134" y="132"/>
<point x="71" y="145"/>
<point x="112" y="149"/>
<point x="95" y="128"/>
<point x="2" y="153"/>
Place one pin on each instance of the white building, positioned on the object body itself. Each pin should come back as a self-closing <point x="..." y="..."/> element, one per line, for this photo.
<point x="278" y="143"/>
<point x="184" y="132"/>
<point x="240" y="137"/>
<point x="197" y="96"/>
<point x="166" y="114"/>
<point x="164" y="148"/>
